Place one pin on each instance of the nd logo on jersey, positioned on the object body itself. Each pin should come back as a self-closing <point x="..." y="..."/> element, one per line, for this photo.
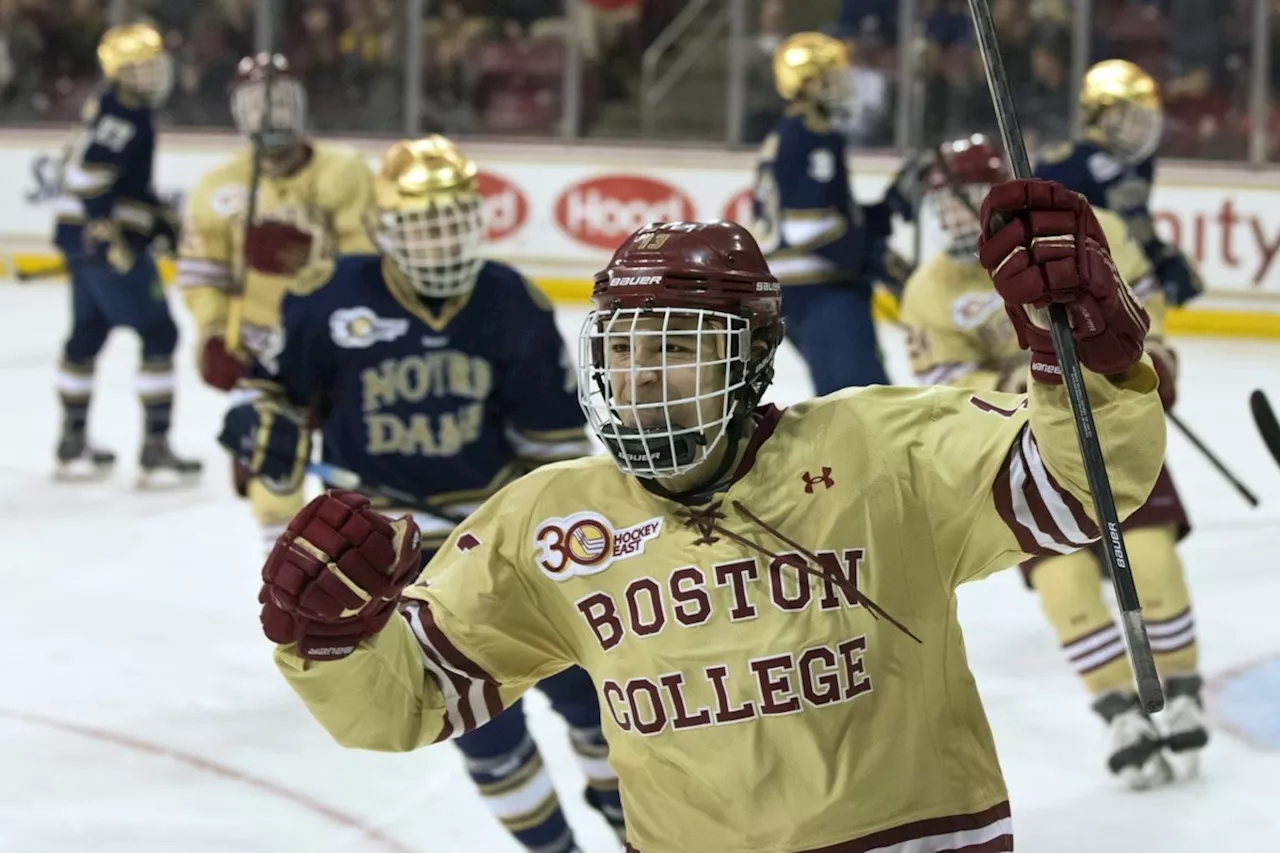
<point x="586" y="543"/>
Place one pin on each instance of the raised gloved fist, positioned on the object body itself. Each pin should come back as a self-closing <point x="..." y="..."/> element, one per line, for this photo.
<point x="1041" y="244"/>
<point x="277" y="248"/>
<point x="335" y="574"/>
<point x="218" y="367"/>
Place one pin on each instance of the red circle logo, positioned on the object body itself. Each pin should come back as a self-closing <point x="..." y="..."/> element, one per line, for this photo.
<point x="603" y="211"/>
<point x="505" y="207"/>
<point x="739" y="208"/>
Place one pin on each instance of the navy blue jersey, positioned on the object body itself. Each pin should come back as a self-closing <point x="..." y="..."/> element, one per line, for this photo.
<point x="1106" y="182"/>
<point x="448" y="404"/>
<point x="806" y="220"/>
<point x="108" y="173"/>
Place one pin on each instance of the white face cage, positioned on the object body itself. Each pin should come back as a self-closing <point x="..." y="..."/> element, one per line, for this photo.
<point x="958" y="221"/>
<point x="437" y="246"/>
<point x="1133" y="132"/>
<point x="647" y="392"/>
<point x="151" y="78"/>
<point x="836" y="92"/>
<point x="284" y="125"/>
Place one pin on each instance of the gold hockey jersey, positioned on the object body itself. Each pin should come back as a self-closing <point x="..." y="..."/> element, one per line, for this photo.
<point x="957" y="329"/>
<point x="327" y="198"/>
<point x="749" y="704"/>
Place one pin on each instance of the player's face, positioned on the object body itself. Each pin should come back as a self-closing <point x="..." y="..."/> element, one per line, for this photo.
<point x="667" y="370"/>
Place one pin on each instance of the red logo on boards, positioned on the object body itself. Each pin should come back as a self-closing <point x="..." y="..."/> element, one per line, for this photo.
<point x="738" y="208"/>
<point x="505" y="207"/>
<point x="603" y="211"/>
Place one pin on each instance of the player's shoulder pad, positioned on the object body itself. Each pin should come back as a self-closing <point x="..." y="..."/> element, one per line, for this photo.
<point x="1064" y="163"/>
<point x="338" y="157"/>
<point x="223" y="191"/>
<point x="508" y="285"/>
<point x="554" y="489"/>
<point x="349" y="274"/>
<point x="797" y="129"/>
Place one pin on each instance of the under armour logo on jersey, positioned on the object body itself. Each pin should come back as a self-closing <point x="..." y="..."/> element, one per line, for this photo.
<point x="810" y="481"/>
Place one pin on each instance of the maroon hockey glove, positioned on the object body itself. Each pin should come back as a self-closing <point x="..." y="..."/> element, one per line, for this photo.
<point x="277" y="248"/>
<point x="335" y="574"/>
<point x="1042" y="244"/>
<point x="218" y="367"/>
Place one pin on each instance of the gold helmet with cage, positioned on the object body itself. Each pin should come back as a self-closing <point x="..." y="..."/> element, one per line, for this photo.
<point x="428" y="215"/>
<point x="133" y="56"/>
<point x="813" y="67"/>
<point x="1120" y="110"/>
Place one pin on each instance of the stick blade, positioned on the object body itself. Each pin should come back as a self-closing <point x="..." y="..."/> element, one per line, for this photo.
<point x="1265" y="419"/>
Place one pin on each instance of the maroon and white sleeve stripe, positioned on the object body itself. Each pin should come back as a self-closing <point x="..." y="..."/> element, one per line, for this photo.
<point x="471" y="696"/>
<point x="943" y="374"/>
<point x="1045" y="517"/>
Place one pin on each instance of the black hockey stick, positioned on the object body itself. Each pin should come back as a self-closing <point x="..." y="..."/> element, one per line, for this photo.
<point x="1116" y="556"/>
<point x="1249" y="497"/>
<point x="1265" y="419"/>
<point x="345" y="479"/>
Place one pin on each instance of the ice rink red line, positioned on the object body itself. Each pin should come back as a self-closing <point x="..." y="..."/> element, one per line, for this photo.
<point x="342" y="819"/>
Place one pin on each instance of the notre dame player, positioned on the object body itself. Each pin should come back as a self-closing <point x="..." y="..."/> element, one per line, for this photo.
<point x="1113" y="164"/>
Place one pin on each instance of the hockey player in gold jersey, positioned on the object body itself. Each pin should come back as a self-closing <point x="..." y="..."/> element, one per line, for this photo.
<point x="765" y="599"/>
<point x="310" y="204"/>
<point x="960" y="335"/>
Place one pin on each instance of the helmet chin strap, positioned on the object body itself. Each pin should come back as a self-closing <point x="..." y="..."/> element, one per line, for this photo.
<point x="738" y="429"/>
<point x="735" y="432"/>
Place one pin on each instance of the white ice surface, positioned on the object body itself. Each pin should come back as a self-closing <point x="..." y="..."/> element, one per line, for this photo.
<point x="139" y="710"/>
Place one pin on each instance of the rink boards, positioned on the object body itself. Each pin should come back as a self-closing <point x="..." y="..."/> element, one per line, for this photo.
<point x="557" y="211"/>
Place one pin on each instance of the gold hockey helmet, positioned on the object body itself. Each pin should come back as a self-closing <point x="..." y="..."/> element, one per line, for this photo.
<point x="133" y="56"/>
<point x="429" y="215"/>
<point x="1120" y="109"/>
<point x="812" y="66"/>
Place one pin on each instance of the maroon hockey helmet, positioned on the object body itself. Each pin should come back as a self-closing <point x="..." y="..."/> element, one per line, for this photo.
<point x="964" y="170"/>
<point x="701" y="287"/>
<point x="973" y="160"/>
<point x="266" y="76"/>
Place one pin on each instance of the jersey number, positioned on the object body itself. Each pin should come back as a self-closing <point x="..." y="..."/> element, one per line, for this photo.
<point x="555" y="549"/>
<point x="113" y="133"/>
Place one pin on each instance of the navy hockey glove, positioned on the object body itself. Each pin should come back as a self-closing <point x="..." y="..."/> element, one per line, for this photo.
<point x="907" y="189"/>
<point x="270" y="437"/>
<point x="1179" y="280"/>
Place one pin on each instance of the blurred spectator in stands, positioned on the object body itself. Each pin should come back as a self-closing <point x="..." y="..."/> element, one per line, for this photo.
<point x="609" y="31"/>
<point x="869" y="19"/>
<point x="1046" y="101"/>
<point x="21" y="46"/>
<point x="871" y="73"/>
<point x="950" y="72"/>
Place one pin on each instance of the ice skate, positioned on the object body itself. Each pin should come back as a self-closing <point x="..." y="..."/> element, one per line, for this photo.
<point x="1182" y="724"/>
<point x="80" y="461"/>
<point x="162" y="469"/>
<point x="1135" y="749"/>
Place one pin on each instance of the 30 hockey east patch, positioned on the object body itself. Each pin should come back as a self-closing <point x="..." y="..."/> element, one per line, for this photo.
<point x="587" y="543"/>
